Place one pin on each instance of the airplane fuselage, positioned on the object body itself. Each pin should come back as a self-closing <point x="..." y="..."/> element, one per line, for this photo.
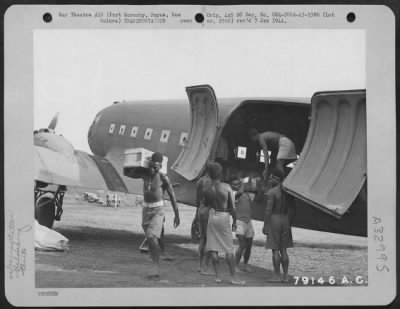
<point x="165" y="126"/>
<point x="328" y="180"/>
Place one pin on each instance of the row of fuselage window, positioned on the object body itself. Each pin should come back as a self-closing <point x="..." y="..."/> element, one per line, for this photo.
<point x="148" y="133"/>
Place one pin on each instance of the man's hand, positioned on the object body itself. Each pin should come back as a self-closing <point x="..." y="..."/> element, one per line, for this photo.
<point x="234" y="226"/>
<point x="176" y="221"/>
<point x="265" y="174"/>
<point x="265" y="230"/>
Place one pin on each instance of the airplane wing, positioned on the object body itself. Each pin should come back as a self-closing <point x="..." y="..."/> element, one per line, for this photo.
<point x="76" y="168"/>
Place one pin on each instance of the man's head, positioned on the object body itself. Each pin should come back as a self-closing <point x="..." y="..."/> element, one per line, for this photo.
<point x="253" y="134"/>
<point x="155" y="163"/>
<point x="276" y="176"/>
<point x="214" y="170"/>
<point x="208" y="167"/>
<point x="235" y="183"/>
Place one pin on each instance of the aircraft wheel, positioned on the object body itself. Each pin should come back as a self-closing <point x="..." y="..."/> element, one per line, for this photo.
<point x="45" y="211"/>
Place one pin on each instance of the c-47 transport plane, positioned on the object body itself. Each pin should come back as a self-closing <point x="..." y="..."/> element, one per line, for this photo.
<point x="328" y="181"/>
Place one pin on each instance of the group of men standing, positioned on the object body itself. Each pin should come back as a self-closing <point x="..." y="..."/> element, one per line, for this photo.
<point x="216" y="202"/>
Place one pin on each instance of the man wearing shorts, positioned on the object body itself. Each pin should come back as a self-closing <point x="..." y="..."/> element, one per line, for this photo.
<point x="282" y="149"/>
<point x="277" y="226"/>
<point x="244" y="229"/>
<point x="153" y="205"/>
<point x="218" y="197"/>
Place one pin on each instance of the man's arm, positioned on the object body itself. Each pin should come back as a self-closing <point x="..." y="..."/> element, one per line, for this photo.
<point x="242" y="187"/>
<point x="231" y="208"/>
<point x="264" y="148"/>
<point x="268" y="212"/>
<point x="291" y="208"/>
<point x="172" y="198"/>
<point x="199" y="194"/>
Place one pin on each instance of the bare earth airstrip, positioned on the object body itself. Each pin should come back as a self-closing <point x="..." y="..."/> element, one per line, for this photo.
<point x="104" y="252"/>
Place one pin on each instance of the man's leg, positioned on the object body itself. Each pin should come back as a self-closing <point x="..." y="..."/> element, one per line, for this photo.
<point x="155" y="255"/>
<point x="276" y="262"/>
<point x="203" y="238"/>
<point x="202" y="245"/>
<point x="230" y="260"/>
<point x="239" y="250"/>
<point x="215" y="262"/>
<point x="161" y="242"/>
<point x="204" y="257"/>
<point x="285" y="264"/>
<point x="280" y="165"/>
<point x="163" y="254"/>
<point x="284" y="164"/>
<point x="247" y="253"/>
<point x="206" y="260"/>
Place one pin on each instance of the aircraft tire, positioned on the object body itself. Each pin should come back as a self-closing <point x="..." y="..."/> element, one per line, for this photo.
<point x="45" y="211"/>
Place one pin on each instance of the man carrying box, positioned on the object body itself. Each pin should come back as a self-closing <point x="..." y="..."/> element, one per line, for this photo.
<point x="153" y="206"/>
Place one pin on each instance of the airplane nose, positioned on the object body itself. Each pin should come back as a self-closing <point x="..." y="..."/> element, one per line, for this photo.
<point x="91" y="134"/>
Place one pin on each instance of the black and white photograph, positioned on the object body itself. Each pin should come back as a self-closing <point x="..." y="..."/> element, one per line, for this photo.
<point x="210" y="158"/>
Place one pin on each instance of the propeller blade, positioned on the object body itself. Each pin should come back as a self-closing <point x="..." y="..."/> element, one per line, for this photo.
<point x="53" y="122"/>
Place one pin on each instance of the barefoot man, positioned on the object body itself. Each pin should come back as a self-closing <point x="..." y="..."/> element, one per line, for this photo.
<point x="202" y="216"/>
<point x="244" y="230"/>
<point x="218" y="197"/>
<point x="282" y="149"/>
<point x="277" y="226"/>
<point x="153" y="205"/>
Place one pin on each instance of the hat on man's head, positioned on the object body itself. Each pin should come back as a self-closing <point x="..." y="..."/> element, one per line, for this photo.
<point x="157" y="157"/>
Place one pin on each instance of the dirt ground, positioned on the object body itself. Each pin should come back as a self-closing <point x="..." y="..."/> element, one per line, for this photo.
<point x="104" y="252"/>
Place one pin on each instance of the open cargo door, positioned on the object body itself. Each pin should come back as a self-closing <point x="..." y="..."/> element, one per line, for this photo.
<point x="204" y="121"/>
<point x="332" y="166"/>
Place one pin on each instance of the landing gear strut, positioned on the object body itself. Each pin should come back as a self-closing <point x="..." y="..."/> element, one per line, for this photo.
<point x="48" y="203"/>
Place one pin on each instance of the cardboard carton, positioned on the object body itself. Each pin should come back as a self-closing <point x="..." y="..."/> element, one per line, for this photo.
<point x="140" y="157"/>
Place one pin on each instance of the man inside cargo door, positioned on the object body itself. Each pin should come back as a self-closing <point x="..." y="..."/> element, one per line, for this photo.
<point x="153" y="207"/>
<point x="282" y="149"/>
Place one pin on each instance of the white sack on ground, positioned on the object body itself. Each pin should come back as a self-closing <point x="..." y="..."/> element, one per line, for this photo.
<point x="47" y="239"/>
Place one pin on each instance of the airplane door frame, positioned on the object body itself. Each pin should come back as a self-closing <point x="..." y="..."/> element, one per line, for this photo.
<point x="203" y="131"/>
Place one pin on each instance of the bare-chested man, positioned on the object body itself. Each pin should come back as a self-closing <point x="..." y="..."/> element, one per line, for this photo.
<point x="202" y="217"/>
<point x="218" y="197"/>
<point x="282" y="149"/>
<point x="277" y="226"/>
<point x="153" y="207"/>
<point x="244" y="230"/>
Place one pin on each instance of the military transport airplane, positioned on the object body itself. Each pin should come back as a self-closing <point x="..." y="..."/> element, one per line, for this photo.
<point x="328" y="180"/>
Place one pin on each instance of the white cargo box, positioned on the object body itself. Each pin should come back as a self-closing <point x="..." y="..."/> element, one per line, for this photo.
<point x="140" y="157"/>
